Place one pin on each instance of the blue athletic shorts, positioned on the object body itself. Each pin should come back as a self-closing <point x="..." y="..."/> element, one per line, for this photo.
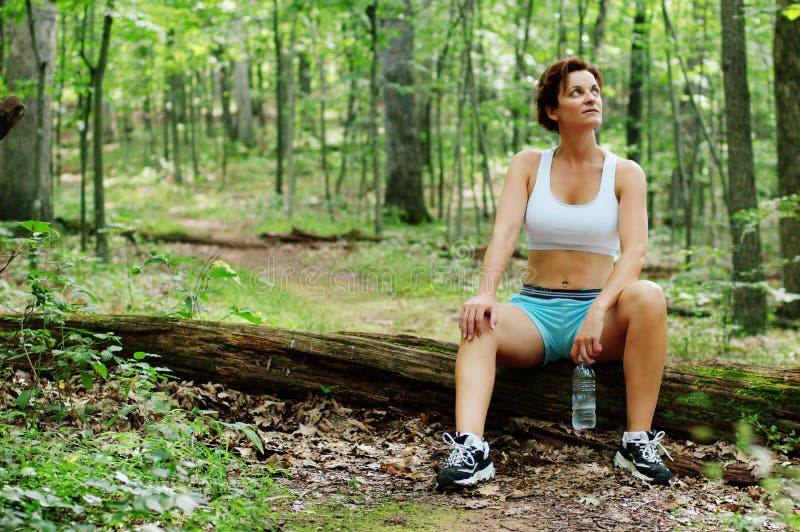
<point x="557" y="314"/>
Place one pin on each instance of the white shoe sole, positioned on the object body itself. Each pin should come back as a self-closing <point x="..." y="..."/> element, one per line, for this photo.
<point x="480" y="476"/>
<point x="621" y="461"/>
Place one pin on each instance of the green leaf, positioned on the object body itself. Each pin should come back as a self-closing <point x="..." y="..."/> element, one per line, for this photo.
<point x="24" y="398"/>
<point x="139" y="355"/>
<point x="253" y="437"/>
<point x="86" y="380"/>
<point x="36" y="227"/>
<point x="792" y="12"/>
<point x="246" y="315"/>
<point x="101" y="369"/>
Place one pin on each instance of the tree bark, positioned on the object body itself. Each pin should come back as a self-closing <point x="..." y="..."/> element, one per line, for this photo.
<point x="599" y="28"/>
<point x="749" y="297"/>
<point x="403" y="150"/>
<point x="417" y="373"/>
<point x="98" y="75"/>
<point x="520" y="103"/>
<point x="639" y="39"/>
<point x="372" y="15"/>
<point x="786" y="52"/>
<point x="25" y="153"/>
<point x="280" y="98"/>
<point x="244" y="105"/>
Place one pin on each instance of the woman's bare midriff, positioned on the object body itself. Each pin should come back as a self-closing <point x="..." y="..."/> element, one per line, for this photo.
<point x="571" y="270"/>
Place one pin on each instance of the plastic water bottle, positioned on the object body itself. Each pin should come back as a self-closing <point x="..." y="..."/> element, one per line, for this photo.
<point x="583" y="397"/>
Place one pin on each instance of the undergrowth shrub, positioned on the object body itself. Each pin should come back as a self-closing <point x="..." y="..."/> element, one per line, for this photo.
<point x="88" y="436"/>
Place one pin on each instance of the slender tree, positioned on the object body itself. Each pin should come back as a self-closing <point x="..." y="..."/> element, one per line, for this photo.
<point x="97" y="73"/>
<point x="280" y="98"/>
<point x="749" y="297"/>
<point x="786" y="53"/>
<point x="599" y="28"/>
<point x="372" y="15"/>
<point x="639" y="39"/>
<point x="174" y="81"/>
<point x="520" y="108"/>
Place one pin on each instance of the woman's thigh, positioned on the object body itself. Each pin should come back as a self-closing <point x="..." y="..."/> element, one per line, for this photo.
<point x="519" y="343"/>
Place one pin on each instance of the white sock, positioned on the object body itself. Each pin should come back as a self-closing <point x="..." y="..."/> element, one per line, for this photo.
<point x="638" y="435"/>
<point x="472" y="440"/>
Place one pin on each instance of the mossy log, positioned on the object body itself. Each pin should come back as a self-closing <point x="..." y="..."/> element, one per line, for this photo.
<point x="700" y="399"/>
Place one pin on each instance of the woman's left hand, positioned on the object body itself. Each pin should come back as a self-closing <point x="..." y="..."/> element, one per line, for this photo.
<point x="586" y="345"/>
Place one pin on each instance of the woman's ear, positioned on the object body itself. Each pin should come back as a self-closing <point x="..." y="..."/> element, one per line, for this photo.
<point x="552" y="113"/>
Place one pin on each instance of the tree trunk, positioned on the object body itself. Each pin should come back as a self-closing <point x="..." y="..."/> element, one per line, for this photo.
<point x="98" y="76"/>
<point x="403" y="152"/>
<point x="280" y="98"/>
<point x="417" y="373"/>
<point x="520" y="103"/>
<point x="599" y="28"/>
<point x="244" y="105"/>
<point x="290" y="121"/>
<point x="372" y="15"/>
<point x="349" y="119"/>
<point x="749" y="297"/>
<point x="175" y="80"/>
<point x="472" y="89"/>
<point x="786" y="52"/>
<point x="639" y="39"/>
<point x="323" y="96"/>
<point x="25" y="153"/>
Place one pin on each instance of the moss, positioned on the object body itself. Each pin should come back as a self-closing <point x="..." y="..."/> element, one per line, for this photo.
<point x="348" y="514"/>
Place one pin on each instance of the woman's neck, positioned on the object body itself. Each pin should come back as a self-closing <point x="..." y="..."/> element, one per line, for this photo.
<point x="578" y="145"/>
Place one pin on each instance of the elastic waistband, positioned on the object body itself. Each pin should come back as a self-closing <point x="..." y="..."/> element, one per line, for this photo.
<point x="532" y="290"/>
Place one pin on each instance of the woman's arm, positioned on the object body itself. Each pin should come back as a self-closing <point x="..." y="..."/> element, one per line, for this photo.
<point x="508" y="222"/>
<point x="632" y="189"/>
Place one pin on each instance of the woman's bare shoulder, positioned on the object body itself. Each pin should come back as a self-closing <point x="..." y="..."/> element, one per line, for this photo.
<point x="525" y="162"/>
<point x="629" y="177"/>
<point x="628" y="170"/>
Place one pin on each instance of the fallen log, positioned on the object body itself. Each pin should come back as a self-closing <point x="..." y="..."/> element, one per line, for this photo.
<point x="700" y="399"/>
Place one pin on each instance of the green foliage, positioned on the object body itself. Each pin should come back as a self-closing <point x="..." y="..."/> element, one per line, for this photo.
<point x="174" y="473"/>
<point x="192" y="282"/>
<point x="178" y="470"/>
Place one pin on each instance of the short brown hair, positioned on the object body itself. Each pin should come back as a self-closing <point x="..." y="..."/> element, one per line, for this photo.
<point x="553" y="81"/>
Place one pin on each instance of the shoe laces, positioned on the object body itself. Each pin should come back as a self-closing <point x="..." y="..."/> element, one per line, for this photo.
<point x="650" y="448"/>
<point x="460" y="454"/>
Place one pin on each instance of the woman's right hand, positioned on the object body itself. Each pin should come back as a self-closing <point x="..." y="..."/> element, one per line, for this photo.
<point x="473" y="311"/>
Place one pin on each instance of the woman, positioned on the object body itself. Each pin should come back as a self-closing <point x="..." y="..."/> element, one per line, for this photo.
<point x="580" y="206"/>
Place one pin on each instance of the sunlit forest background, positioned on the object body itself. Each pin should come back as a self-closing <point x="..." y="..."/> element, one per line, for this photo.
<point x="330" y="116"/>
<point x="335" y="165"/>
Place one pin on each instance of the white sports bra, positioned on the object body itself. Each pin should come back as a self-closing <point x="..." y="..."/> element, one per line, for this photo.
<point x="593" y="226"/>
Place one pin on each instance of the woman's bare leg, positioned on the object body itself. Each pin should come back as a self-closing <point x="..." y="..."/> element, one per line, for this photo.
<point x="515" y="342"/>
<point x="636" y="330"/>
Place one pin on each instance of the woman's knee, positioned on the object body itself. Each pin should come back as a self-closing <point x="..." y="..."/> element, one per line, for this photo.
<point x="644" y="296"/>
<point x="483" y="332"/>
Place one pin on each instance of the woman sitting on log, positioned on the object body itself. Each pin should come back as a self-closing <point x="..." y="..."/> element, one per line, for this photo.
<point x="581" y="205"/>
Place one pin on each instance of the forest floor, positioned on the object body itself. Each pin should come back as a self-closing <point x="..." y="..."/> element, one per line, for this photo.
<point x="341" y="461"/>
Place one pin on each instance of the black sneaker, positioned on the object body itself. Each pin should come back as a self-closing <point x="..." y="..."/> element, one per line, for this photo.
<point x="641" y="457"/>
<point x="469" y="462"/>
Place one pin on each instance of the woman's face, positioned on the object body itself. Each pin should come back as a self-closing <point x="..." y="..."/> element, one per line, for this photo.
<point x="579" y="104"/>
